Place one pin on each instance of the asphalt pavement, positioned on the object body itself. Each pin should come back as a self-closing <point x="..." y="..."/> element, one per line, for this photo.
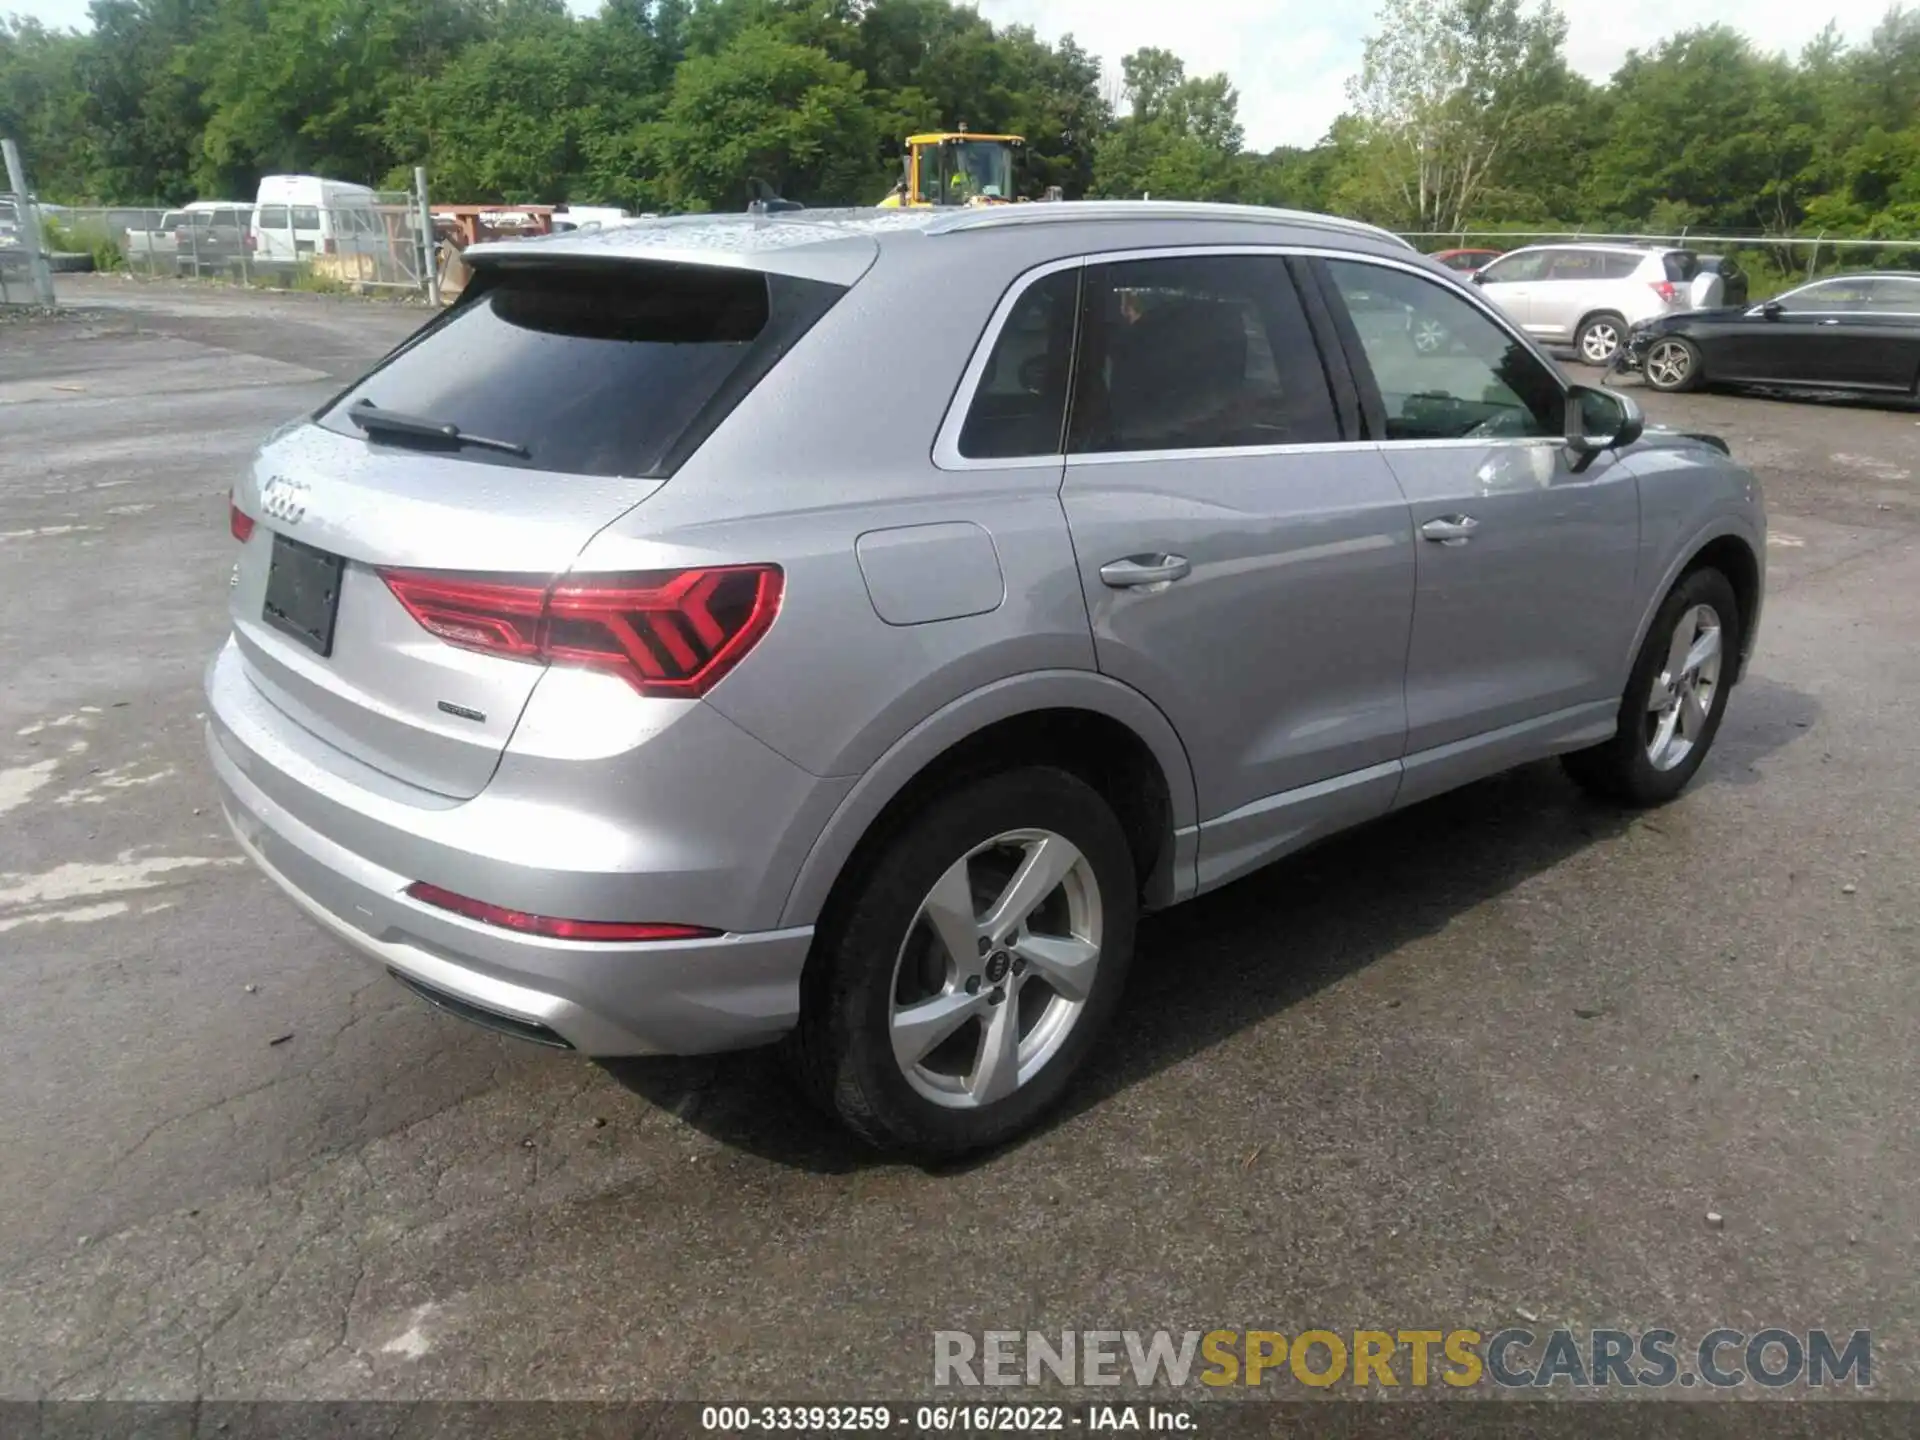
<point x="1495" y="1059"/>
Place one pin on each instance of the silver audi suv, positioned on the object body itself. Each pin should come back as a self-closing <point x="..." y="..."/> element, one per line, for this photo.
<point x="841" y="627"/>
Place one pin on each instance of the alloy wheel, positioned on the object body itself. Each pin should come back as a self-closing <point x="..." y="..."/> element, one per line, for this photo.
<point x="996" y="968"/>
<point x="1681" y="700"/>
<point x="1599" y="342"/>
<point x="1668" y="364"/>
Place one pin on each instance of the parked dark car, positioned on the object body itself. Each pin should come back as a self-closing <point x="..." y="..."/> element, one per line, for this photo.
<point x="1466" y="260"/>
<point x="210" y="239"/>
<point x="1849" y="332"/>
<point x="1719" y="280"/>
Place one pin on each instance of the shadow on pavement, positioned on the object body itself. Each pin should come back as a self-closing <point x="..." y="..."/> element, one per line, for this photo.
<point x="1265" y="942"/>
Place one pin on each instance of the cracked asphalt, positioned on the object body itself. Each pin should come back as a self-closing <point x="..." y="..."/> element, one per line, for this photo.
<point x="1495" y="1058"/>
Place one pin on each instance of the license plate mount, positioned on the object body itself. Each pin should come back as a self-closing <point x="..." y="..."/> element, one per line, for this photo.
<point x="303" y="593"/>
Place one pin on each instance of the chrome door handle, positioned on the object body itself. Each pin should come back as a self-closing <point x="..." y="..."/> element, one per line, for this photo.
<point x="1137" y="570"/>
<point x="1450" y="529"/>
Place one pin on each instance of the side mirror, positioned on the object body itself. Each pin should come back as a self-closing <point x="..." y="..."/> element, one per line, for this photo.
<point x="1479" y="277"/>
<point x="1600" y="420"/>
<point x="1773" y="309"/>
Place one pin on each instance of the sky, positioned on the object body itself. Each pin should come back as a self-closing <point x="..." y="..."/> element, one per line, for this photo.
<point x="1290" y="59"/>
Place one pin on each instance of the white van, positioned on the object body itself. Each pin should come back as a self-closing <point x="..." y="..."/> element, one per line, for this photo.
<point x="296" y="216"/>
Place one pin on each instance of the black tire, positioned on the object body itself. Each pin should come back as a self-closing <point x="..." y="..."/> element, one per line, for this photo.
<point x="1591" y="328"/>
<point x="1621" y="769"/>
<point x="843" y="1048"/>
<point x="1672" y="364"/>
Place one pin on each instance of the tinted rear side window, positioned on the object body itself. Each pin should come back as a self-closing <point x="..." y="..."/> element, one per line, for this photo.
<point x="1020" y="407"/>
<point x="1205" y="352"/>
<point x="1619" y="267"/>
<point x="618" y="370"/>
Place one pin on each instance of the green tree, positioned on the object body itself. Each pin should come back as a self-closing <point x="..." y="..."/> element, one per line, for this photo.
<point x="144" y="106"/>
<point x="764" y="109"/>
<point x="1704" y="121"/>
<point x="305" y="85"/>
<point x="41" y="105"/>
<point x="1180" y="139"/>
<point x="1443" y="98"/>
<point x="527" y="115"/>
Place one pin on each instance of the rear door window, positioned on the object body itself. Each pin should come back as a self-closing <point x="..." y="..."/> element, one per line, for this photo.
<point x="272" y="217"/>
<point x="1577" y="265"/>
<point x="306" y="217"/>
<point x="1020" y="405"/>
<point x="1197" y="353"/>
<point x="615" y="370"/>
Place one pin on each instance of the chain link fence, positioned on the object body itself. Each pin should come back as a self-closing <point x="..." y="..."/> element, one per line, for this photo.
<point x="375" y="245"/>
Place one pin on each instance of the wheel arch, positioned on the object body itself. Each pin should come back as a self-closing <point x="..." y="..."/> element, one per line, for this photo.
<point x="1727" y="547"/>
<point x="1594" y="314"/>
<point x="1106" y="733"/>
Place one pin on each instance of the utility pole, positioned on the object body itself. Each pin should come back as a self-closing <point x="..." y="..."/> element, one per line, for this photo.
<point x="429" y="256"/>
<point x="29" y="226"/>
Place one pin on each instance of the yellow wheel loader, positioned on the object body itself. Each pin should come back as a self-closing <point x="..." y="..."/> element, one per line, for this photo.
<point x="954" y="167"/>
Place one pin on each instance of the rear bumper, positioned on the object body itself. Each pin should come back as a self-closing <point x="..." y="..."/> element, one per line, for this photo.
<point x="678" y="997"/>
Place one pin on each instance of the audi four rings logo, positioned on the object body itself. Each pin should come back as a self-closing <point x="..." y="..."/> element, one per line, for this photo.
<point x="284" y="500"/>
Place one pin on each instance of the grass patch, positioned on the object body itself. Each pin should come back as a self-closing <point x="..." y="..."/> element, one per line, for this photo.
<point x="313" y="283"/>
<point x="84" y="239"/>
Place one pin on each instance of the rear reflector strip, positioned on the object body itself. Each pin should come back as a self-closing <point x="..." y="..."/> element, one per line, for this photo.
<point x="604" y="931"/>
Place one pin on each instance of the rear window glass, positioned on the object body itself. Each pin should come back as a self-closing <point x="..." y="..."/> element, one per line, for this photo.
<point x="617" y="370"/>
<point x="272" y="217"/>
<point x="173" y="220"/>
<point x="305" y="217"/>
<point x="1681" y="264"/>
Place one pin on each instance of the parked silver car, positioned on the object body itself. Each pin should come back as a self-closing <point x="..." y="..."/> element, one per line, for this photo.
<point x="1589" y="296"/>
<point x="744" y="647"/>
<point x="153" y="250"/>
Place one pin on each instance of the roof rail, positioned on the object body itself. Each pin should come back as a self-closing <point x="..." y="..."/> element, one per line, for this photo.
<point x="990" y="217"/>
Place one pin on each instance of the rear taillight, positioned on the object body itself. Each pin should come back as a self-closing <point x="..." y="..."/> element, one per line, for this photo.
<point x="606" y="931"/>
<point x="326" y="247"/>
<point x="1666" y="290"/>
<point x="239" y="523"/>
<point x="250" y="240"/>
<point x="666" y="634"/>
<point x="179" y="237"/>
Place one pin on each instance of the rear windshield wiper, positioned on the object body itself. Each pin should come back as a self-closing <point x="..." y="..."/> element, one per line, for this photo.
<point x="375" y="421"/>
